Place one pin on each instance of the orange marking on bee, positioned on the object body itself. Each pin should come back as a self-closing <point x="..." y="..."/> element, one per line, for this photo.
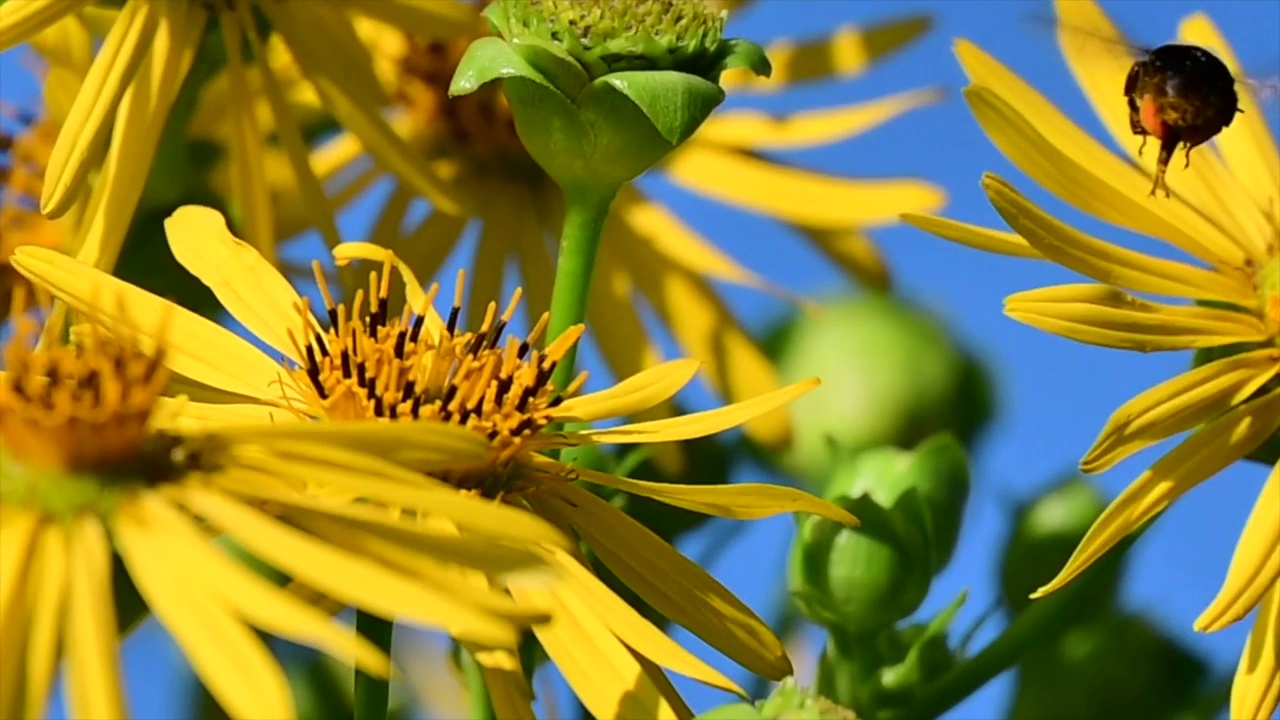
<point x="1149" y="115"/>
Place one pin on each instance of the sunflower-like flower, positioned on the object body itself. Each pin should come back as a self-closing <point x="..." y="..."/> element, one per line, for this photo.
<point x="85" y="471"/>
<point x="488" y="410"/>
<point x="151" y="49"/>
<point x="648" y="255"/>
<point x="1223" y="213"/>
<point x="26" y="142"/>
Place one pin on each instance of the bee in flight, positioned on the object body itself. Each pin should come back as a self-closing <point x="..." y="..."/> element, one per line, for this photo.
<point x="1180" y="95"/>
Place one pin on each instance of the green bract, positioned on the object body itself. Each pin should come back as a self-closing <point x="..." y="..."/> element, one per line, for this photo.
<point x="788" y="701"/>
<point x="601" y="90"/>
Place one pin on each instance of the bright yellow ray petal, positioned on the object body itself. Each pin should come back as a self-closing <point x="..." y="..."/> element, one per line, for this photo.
<point x="1108" y="263"/>
<point x="796" y="195"/>
<point x="257" y="601"/>
<point x="638" y="392"/>
<point x="246" y="152"/>
<point x="1103" y="315"/>
<point x="19" y="530"/>
<point x="135" y="135"/>
<point x="1255" y="565"/>
<point x="341" y="71"/>
<point x="20" y="21"/>
<point x="846" y="53"/>
<point x="439" y="19"/>
<point x="700" y="424"/>
<point x="758" y="131"/>
<point x="672" y="584"/>
<point x="426" y="246"/>
<point x="854" y="252"/>
<point x="1180" y="404"/>
<point x="187" y="416"/>
<point x="232" y="661"/>
<point x="1248" y="148"/>
<point x="740" y="501"/>
<point x="1067" y="161"/>
<point x="1255" y="691"/>
<point x="345" y="576"/>
<point x="246" y="283"/>
<point x="194" y="346"/>
<point x="1202" y="455"/>
<point x="974" y="236"/>
<point x="602" y="672"/>
<point x="642" y="219"/>
<point x="509" y="690"/>
<point x="93" y="658"/>
<point x="46" y="594"/>
<point x="88" y="122"/>
<point x="1099" y="58"/>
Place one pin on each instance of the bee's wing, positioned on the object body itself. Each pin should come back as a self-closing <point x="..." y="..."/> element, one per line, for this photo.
<point x="1266" y="90"/>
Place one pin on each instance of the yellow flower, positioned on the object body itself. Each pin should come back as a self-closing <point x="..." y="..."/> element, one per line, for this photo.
<point x="85" y="471"/>
<point x="649" y="256"/>
<point x="1225" y="214"/>
<point x="148" y="52"/>
<point x="488" y="407"/>
<point x="64" y="49"/>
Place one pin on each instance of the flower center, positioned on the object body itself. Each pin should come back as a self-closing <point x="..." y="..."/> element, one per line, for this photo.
<point x="478" y="125"/>
<point x="415" y="367"/>
<point x="24" y="156"/>
<point x="74" y="421"/>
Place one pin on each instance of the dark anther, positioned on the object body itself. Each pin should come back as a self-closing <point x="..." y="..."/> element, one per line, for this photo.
<point x="416" y="332"/>
<point x="398" y="348"/>
<point x="415" y="407"/>
<point x="526" y="394"/>
<point x="449" y="394"/>
<point x="320" y="343"/>
<point x="522" y="350"/>
<point x="409" y="387"/>
<point x="377" y="405"/>
<point x="504" y="386"/>
<point x="333" y="319"/>
<point x="360" y="376"/>
<point x="345" y="356"/>
<point x="452" y="325"/>
<point x="555" y="401"/>
<point x="525" y="423"/>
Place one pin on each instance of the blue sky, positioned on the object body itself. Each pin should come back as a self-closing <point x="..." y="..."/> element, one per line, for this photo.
<point x="1053" y="394"/>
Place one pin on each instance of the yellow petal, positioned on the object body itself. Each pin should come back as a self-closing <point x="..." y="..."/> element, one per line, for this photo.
<point x="1058" y="155"/>
<point x="1255" y="565"/>
<point x="509" y="690"/>
<point x="246" y="152"/>
<point x="344" y="253"/>
<point x="194" y="346"/>
<point x="186" y="416"/>
<point x="974" y="236"/>
<point x="19" y="21"/>
<point x="846" y="53"/>
<point x="794" y="194"/>
<point x="343" y="575"/>
<point x="227" y="656"/>
<point x="1248" y="148"/>
<point x="340" y="69"/>
<point x="1199" y="457"/>
<point x="385" y="448"/>
<point x="1103" y="315"/>
<point x="439" y="19"/>
<point x="247" y="284"/>
<point x="1100" y="59"/>
<point x="19" y="530"/>
<point x="1108" y="263"/>
<point x="672" y="584"/>
<point x="139" y="124"/>
<point x="1255" y="691"/>
<point x="638" y="392"/>
<point x="93" y="658"/>
<point x="88" y="122"/>
<point x="257" y="601"/>
<point x="758" y="131"/>
<point x="47" y="593"/>
<point x="600" y="669"/>
<point x="1180" y="404"/>
<point x="854" y="252"/>
<point x="740" y="501"/>
<point x="700" y="424"/>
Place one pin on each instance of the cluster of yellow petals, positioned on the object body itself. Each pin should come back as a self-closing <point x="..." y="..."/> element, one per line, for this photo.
<point x="21" y="182"/>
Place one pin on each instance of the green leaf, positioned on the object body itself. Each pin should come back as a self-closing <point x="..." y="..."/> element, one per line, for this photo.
<point x="745" y="54"/>
<point x="676" y="103"/>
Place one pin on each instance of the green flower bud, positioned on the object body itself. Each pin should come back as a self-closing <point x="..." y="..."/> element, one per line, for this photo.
<point x="910" y="502"/>
<point x="1120" y="662"/>
<point x="1045" y="533"/>
<point x="601" y="90"/>
<point x="891" y="375"/>
<point x="787" y="702"/>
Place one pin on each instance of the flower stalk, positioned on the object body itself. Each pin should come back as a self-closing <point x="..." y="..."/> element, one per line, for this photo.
<point x="584" y="215"/>
<point x="372" y="693"/>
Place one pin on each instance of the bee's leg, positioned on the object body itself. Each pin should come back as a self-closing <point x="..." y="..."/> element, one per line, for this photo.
<point x="1188" y="157"/>
<point x="1143" y="145"/>
<point x="1168" y="145"/>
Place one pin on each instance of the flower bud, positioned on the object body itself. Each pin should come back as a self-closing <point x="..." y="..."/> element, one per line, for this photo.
<point x="601" y="90"/>
<point x="1117" y="661"/>
<point x="1045" y="533"/>
<point x="787" y="702"/>
<point x="910" y="503"/>
<point x="891" y="375"/>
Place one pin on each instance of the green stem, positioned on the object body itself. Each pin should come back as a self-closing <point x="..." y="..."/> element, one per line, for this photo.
<point x="479" y="704"/>
<point x="585" y="210"/>
<point x="371" y="693"/>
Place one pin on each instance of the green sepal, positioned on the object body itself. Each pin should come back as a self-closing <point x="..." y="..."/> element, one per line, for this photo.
<point x="741" y="53"/>
<point x="556" y="66"/>
<point x="675" y="103"/>
<point x="488" y="59"/>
